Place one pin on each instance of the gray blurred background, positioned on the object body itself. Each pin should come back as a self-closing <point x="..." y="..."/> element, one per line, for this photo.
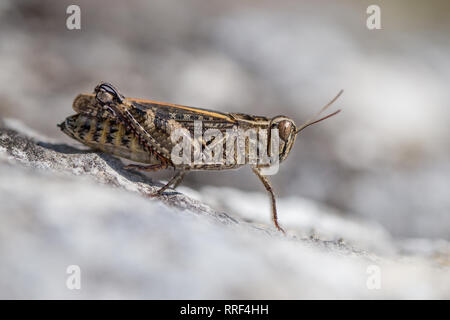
<point x="386" y="157"/>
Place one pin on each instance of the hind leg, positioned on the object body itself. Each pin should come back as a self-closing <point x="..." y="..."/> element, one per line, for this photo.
<point x="150" y="168"/>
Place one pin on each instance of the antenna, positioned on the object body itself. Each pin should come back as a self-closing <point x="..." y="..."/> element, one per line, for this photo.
<point x="313" y="119"/>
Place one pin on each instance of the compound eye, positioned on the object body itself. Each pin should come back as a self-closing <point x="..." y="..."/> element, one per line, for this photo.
<point x="285" y="129"/>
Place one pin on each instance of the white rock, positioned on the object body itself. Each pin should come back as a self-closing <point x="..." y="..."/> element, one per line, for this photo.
<point x="62" y="206"/>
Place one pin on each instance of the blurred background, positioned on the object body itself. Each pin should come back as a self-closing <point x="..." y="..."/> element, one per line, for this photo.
<point x="386" y="157"/>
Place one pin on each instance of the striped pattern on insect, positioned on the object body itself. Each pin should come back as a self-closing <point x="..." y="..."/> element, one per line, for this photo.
<point x="143" y="131"/>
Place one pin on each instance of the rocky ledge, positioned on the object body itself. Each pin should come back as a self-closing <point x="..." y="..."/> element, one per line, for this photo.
<point x="66" y="211"/>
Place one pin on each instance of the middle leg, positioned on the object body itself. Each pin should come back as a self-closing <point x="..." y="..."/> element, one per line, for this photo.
<point x="175" y="181"/>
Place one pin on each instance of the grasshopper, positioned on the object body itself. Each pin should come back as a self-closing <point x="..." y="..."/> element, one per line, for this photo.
<point x="143" y="131"/>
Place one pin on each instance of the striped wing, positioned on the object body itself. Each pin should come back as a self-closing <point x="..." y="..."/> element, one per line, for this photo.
<point x="155" y="121"/>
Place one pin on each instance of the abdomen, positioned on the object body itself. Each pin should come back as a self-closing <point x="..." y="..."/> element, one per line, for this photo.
<point x="108" y="136"/>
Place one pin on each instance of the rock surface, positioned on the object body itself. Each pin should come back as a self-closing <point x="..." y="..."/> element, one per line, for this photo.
<point x="63" y="205"/>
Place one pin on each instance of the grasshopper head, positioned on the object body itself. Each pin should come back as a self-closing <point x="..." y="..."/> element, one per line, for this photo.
<point x="287" y="131"/>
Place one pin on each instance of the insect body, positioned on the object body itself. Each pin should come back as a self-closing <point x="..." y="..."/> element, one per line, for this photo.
<point x="150" y="132"/>
<point x="107" y="135"/>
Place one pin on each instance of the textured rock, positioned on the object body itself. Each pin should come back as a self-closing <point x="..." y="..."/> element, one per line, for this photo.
<point x="63" y="205"/>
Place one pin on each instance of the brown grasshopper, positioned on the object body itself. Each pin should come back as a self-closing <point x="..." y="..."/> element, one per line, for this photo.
<point x="143" y="131"/>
